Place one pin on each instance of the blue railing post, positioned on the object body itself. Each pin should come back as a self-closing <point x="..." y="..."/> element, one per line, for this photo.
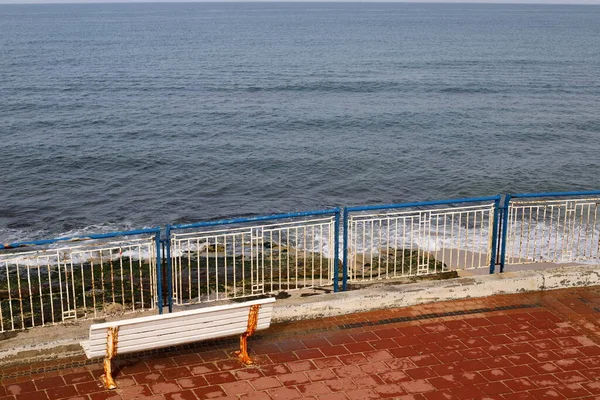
<point x="336" y="257"/>
<point x="504" y="231"/>
<point x="169" y="268"/>
<point x="495" y="232"/>
<point x="159" y="274"/>
<point x="345" y="252"/>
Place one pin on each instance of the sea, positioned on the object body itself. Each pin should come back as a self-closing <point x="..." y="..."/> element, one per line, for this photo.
<point x="126" y="116"/>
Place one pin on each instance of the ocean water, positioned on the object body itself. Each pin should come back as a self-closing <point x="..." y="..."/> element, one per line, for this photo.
<point x="118" y="116"/>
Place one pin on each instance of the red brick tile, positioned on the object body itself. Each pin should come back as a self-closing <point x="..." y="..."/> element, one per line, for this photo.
<point x="348" y="371"/>
<point x="444" y="382"/>
<point x="383" y="344"/>
<point x="569" y="365"/>
<point x="520" y="348"/>
<point x="202" y="369"/>
<point x="266" y="382"/>
<point x="209" y="392"/>
<point x="333" y="396"/>
<point x="32" y="396"/>
<point x="78" y="377"/>
<point x="520" y="359"/>
<point x="340" y="384"/>
<point x="313" y="389"/>
<point x="358" y="347"/>
<point x="294" y="378"/>
<point x="495" y="375"/>
<point x="46" y="383"/>
<point x="340" y="339"/>
<point x="183" y="395"/>
<point x="420" y="373"/>
<point x="520" y="371"/>
<point x="518" y="396"/>
<point x="380" y="355"/>
<point x="388" y="391"/>
<point x="334" y="350"/>
<point x="146" y="377"/>
<point x="377" y="367"/>
<point x="362" y="394"/>
<point x="248" y="373"/>
<point x="89" y="387"/>
<point x="284" y="394"/>
<point x="570" y="377"/>
<point x="476" y="332"/>
<point x="425" y="360"/>
<point x="107" y="395"/>
<point x="133" y="392"/>
<point x="228" y="365"/>
<point x="417" y="386"/>
<point x="330" y="362"/>
<point x="315" y="342"/>
<point x="282" y="357"/>
<point x="569" y="353"/>
<point x="320" y="375"/>
<point x="187" y="359"/>
<point x="545" y="380"/>
<point x="298" y="366"/>
<point x="546" y="356"/>
<point x="364" y="336"/>
<point x="256" y="396"/>
<point x="61" y="392"/>
<point x="573" y="390"/>
<point x="276" y="369"/>
<point x="309" y="354"/>
<point x="563" y="342"/>
<point x="592" y="387"/>
<point x="547" y="393"/>
<point x="467" y="392"/>
<point x="174" y="373"/>
<point x="394" y="377"/>
<point x="428" y="348"/>
<point x="519" y="384"/>
<point x="237" y="388"/>
<point x="494" y="388"/>
<point x="403" y="352"/>
<point x="471" y="365"/>
<point x="368" y="381"/>
<point x="400" y="363"/>
<point x="192" y="382"/>
<point x="469" y="378"/>
<point x="219" y="377"/>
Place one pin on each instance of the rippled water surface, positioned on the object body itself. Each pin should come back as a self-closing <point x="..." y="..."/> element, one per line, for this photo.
<point x="117" y="116"/>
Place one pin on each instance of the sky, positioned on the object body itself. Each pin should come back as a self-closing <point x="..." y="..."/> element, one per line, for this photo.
<point x="591" y="2"/>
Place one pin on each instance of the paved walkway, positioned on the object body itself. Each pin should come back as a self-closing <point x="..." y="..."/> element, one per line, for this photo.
<point x="540" y="345"/>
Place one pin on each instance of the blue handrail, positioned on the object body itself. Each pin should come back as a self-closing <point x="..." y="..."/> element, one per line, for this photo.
<point x="423" y="203"/>
<point x="555" y="194"/>
<point x="255" y="219"/>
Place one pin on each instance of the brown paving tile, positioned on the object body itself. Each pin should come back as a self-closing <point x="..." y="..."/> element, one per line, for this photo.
<point x="209" y="392"/>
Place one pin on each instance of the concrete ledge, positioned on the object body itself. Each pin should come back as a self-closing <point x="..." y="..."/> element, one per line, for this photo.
<point x="62" y="341"/>
<point x="390" y="295"/>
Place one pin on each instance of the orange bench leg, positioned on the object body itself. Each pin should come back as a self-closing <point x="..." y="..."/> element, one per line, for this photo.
<point x="252" y="321"/>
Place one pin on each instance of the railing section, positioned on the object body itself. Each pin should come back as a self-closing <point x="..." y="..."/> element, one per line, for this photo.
<point x="247" y="257"/>
<point x="59" y="280"/>
<point x="405" y="240"/>
<point x="544" y="228"/>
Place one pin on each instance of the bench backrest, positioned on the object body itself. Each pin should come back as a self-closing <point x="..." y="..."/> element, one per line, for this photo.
<point x="177" y="328"/>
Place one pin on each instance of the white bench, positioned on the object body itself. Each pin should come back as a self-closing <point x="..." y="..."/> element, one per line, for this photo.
<point x="146" y="333"/>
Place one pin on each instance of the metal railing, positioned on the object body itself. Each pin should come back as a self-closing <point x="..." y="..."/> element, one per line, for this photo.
<point x="52" y="281"/>
<point x="551" y="227"/>
<point x="59" y="280"/>
<point x="250" y="256"/>
<point x="400" y="240"/>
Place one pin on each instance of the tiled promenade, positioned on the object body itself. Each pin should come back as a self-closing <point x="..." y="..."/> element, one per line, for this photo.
<point x="526" y="346"/>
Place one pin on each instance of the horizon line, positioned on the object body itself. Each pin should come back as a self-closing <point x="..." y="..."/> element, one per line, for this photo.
<point x="482" y="2"/>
